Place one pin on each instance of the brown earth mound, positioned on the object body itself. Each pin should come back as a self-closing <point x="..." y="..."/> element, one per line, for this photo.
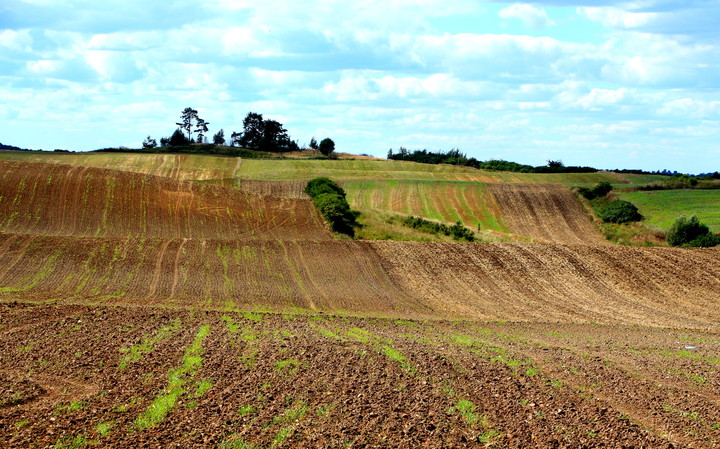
<point x="559" y="283"/>
<point x="545" y="213"/>
<point x="50" y="199"/>
<point x="517" y="282"/>
<point x="332" y="276"/>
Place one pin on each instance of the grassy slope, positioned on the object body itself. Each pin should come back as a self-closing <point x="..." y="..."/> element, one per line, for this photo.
<point x="193" y="166"/>
<point x="662" y="208"/>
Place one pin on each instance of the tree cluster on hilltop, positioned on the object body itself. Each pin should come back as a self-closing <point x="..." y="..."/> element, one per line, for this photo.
<point x="258" y="134"/>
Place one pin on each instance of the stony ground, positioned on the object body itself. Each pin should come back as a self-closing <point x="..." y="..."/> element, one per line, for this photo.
<point x="77" y="376"/>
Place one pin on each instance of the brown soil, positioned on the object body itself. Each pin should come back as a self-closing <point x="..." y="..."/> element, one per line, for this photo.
<point x="50" y="199"/>
<point x="517" y="282"/>
<point x="545" y="213"/>
<point x="108" y="279"/>
<point x="297" y="381"/>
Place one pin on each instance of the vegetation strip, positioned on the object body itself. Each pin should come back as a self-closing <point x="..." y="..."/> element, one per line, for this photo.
<point x="178" y="379"/>
<point x="135" y="353"/>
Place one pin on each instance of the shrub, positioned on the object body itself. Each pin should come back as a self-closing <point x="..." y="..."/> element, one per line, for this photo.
<point x="329" y="199"/>
<point x="690" y="232"/>
<point x="706" y="241"/>
<point x="598" y="191"/>
<point x="620" y="212"/>
<point x="319" y="186"/>
<point x="457" y="231"/>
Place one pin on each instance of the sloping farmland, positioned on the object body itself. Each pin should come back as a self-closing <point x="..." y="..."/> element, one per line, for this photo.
<point x="53" y="199"/>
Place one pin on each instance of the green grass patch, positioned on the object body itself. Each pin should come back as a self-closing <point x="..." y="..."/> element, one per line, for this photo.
<point x="135" y="353"/>
<point x="246" y="410"/>
<point x="202" y="387"/>
<point x="662" y="207"/>
<point x="287" y="366"/>
<point x="177" y="382"/>
<point x="71" y="442"/>
<point x="467" y="409"/>
<point x="104" y="428"/>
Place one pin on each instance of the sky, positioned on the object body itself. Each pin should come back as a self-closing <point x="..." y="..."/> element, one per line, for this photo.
<point x="608" y="84"/>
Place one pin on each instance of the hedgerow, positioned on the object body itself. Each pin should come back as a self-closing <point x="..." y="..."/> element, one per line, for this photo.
<point x="599" y="191"/>
<point x="457" y="231"/>
<point x="329" y="198"/>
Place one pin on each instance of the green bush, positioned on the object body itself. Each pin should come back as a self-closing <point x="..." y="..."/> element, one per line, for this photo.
<point x="690" y="232"/>
<point x="329" y="199"/>
<point x="318" y="186"/>
<point x="457" y="231"/>
<point x="620" y="212"/>
<point x="599" y="191"/>
<point x="706" y="241"/>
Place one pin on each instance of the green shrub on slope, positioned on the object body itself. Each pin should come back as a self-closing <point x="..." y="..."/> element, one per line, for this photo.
<point x="620" y="212"/>
<point x="329" y="198"/>
<point x="690" y="232"/>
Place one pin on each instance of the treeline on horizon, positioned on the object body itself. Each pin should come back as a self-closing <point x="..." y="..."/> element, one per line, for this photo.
<point x="456" y="157"/>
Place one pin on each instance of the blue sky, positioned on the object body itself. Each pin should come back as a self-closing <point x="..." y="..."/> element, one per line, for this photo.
<point x="615" y="84"/>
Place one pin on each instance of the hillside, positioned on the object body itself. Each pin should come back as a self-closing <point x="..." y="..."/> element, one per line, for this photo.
<point x="207" y="167"/>
<point x="154" y="311"/>
<point x="53" y="199"/>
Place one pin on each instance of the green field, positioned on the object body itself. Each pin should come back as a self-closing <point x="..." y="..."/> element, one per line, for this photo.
<point x="284" y="169"/>
<point x="446" y="201"/>
<point x="662" y="207"/>
<point x="206" y="167"/>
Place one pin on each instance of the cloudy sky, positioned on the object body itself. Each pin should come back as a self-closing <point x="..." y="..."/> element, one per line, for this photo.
<point x="611" y="84"/>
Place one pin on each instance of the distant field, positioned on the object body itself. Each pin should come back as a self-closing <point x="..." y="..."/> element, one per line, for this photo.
<point x="268" y="169"/>
<point x="184" y="167"/>
<point x="207" y="167"/>
<point x="661" y="208"/>
<point x="448" y="201"/>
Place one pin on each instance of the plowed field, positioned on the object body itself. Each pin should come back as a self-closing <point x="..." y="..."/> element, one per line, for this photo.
<point x="183" y="167"/>
<point x="518" y="282"/>
<point x="545" y="213"/>
<point x="468" y="202"/>
<point x="114" y="377"/>
<point x="146" y="311"/>
<point x="51" y="199"/>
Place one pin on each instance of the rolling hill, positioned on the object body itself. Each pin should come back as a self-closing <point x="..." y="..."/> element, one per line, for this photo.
<point x="199" y="301"/>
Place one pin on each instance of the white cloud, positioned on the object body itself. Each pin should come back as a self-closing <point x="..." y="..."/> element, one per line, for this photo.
<point x="531" y="16"/>
<point x="690" y="107"/>
<point x="374" y="73"/>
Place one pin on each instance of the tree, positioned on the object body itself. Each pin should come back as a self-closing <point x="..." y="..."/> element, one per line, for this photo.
<point x="274" y="137"/>
<point x="313" y="144"/>
<point x="235" y="138"/>
<point x="263" y="135"/>
<point x="178" y="139"/>
<point x="253" y="131"/>
<point x="219" y="137"/>
<point x="192" y="123"/>
<point x="149" y="143"/>
<point x="327" y="146"/>
<point x="188" y="118"/>
<point x="201" y="128"/>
